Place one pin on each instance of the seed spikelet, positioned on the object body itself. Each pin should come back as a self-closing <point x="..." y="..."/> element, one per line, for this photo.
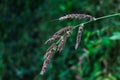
<point x="79" y="36"/>
<point x="77" y="16"/>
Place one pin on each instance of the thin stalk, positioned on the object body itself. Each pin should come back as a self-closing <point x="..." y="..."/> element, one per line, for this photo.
<point x="103" y="17"/>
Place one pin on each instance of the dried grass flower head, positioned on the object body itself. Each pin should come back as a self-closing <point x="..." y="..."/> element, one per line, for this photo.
<point x="59" y="38"/>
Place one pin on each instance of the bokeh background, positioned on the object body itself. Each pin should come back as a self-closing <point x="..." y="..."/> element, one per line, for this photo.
<point x="26" y="24"/>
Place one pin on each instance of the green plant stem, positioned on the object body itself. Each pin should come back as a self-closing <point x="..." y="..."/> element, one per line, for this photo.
<point x="103" y="17"/>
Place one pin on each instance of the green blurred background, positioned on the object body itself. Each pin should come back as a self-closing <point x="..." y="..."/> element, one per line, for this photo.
<point x="26" y="24"/>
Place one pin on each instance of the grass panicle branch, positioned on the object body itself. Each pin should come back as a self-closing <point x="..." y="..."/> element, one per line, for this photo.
<point x="99" y="18"/>
<point x="51" y="47"/>
<point x="79" y="36"/>
<point x="62" y="42"/>
<point x="49" y="50"/>
<point x="62" y="35"/>
<point x="55" y="37"/>
<point x="48" y="57"/>
<point x="77" y="16"/>
<point x="68" y="28"/>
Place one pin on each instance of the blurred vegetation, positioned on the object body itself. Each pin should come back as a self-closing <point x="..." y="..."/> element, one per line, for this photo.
<point x="26" y="24"/>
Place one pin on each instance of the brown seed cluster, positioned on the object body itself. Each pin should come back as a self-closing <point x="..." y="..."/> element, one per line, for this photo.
<point x="58" y="46"/>
<point x="57" y="34"/>
<point x="77" y="16"/>
<point x="62" y="43"/>
<point x="49" y="50"/>
<point x="79" y="36"/>
<point x="55" y="37"/>
<point x="69" y="28"/>
<point x="48" y="57"/>
<point x="60" y="38"/>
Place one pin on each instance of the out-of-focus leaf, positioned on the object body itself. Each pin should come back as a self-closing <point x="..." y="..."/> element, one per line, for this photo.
<point x="106" y="41"/>
<point x="62" y="7"/>
<point x="112" y="77"/>
<point x="115" y="36"/>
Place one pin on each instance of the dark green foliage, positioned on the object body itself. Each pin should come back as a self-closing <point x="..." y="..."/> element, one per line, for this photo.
<point x="26" y="24"/>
